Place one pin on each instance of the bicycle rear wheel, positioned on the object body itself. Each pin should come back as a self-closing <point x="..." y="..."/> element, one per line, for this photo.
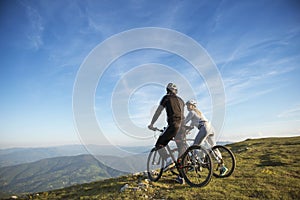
<point x="222" y="157"/>
<point x="196" y="166"/>
<point x="154" y="165"/>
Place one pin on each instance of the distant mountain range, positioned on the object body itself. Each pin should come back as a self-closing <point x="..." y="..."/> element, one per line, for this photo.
<point x="42" y="169"/>
<point x="14" y="156"/>
<point x="267" y="168"/>
<point x="53" y="173"/>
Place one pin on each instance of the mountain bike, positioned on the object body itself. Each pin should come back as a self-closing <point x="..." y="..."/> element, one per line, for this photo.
<point x="221" y="156"/>
<point x="195" y="165"/>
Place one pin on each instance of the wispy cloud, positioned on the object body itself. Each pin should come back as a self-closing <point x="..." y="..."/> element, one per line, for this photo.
<point x="35" y="35"/>
<point x="245" y="84"/>
<point x="139" y="91"/>
<point x="254" y="62"/>
<point x="293" y="112"/>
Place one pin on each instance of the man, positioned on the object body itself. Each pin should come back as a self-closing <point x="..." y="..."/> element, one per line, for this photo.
<point x="174" y="106"/>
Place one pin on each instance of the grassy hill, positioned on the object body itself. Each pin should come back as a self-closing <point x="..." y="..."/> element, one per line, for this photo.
<point x="266" y="169"/>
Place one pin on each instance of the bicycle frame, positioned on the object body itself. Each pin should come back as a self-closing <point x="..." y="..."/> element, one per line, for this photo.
<point x="214" y="152"/>
<point x="179" y="164"/>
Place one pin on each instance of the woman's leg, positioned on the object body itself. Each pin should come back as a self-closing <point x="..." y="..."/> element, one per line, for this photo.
<point x="212" y="142"/>
<point x="200" y="136"/>
<point x="211" y="139"/>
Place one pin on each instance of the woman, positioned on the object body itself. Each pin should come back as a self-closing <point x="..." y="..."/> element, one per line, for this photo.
<point x="199" y="120"/>
<point x="206" y="131"/>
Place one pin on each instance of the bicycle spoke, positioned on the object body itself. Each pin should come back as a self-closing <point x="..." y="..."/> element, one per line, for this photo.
<point x="154" y="165"/>
<point x="196" y="171"/>
<point x="223" y="160"/>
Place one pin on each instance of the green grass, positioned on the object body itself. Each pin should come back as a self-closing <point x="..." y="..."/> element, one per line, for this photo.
<point x="266" y="169"/>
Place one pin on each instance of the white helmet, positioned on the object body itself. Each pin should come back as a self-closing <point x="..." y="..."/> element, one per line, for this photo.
<point x="191" y="102"/>
<point x="172" y="87"/>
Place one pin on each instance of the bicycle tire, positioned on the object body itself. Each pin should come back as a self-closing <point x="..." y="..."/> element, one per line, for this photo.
<point x="194" y="170"/>
<point x="154" y="165"/>
<point x="228" y="160"/>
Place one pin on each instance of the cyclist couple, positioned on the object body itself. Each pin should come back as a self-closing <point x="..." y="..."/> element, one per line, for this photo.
<point x="174" y="106"/>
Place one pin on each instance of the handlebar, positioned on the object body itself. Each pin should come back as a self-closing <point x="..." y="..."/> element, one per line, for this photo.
<point x="185" y="128"/>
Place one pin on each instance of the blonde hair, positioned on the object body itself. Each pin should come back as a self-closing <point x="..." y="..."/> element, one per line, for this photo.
<point x="199" y="113"/>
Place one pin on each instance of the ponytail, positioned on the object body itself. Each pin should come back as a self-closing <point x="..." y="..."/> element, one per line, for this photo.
<point x="198" y="111"/>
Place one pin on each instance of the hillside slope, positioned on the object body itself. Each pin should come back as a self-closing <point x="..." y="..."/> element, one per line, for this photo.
<point x="53" y="173"/>
<point x="266" y="169"/>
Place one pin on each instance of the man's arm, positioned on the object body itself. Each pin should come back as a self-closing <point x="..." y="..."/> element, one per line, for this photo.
<point x="155" y="116"/>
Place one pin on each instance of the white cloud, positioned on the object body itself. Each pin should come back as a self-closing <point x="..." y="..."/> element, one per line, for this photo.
<point x="35" y="35"/>
<point x="245" y="83"/>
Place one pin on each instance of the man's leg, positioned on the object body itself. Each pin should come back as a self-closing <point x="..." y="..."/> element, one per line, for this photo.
<point x="165" y="138"/>
<point x="180" y="143"/>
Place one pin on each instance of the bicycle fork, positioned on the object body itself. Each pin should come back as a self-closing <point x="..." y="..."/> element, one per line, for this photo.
<point x="217" y="155"/>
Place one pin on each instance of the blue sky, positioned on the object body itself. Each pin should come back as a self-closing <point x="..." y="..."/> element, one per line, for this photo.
<point x="254" y="44"/>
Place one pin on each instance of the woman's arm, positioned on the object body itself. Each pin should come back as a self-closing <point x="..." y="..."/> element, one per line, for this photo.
<point x="188" y="118"/>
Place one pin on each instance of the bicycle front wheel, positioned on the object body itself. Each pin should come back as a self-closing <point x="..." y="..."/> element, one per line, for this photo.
<point x="196" y="166"/>
<point x="154" y="165"/>
<point x="223" y="159"/>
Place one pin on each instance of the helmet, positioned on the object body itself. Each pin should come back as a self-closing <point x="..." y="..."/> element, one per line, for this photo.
<point x="191" y="102"/>
<point x="172" y="87"/>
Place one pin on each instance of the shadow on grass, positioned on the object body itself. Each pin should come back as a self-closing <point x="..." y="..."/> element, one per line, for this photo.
<point x="266" y="160"/>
